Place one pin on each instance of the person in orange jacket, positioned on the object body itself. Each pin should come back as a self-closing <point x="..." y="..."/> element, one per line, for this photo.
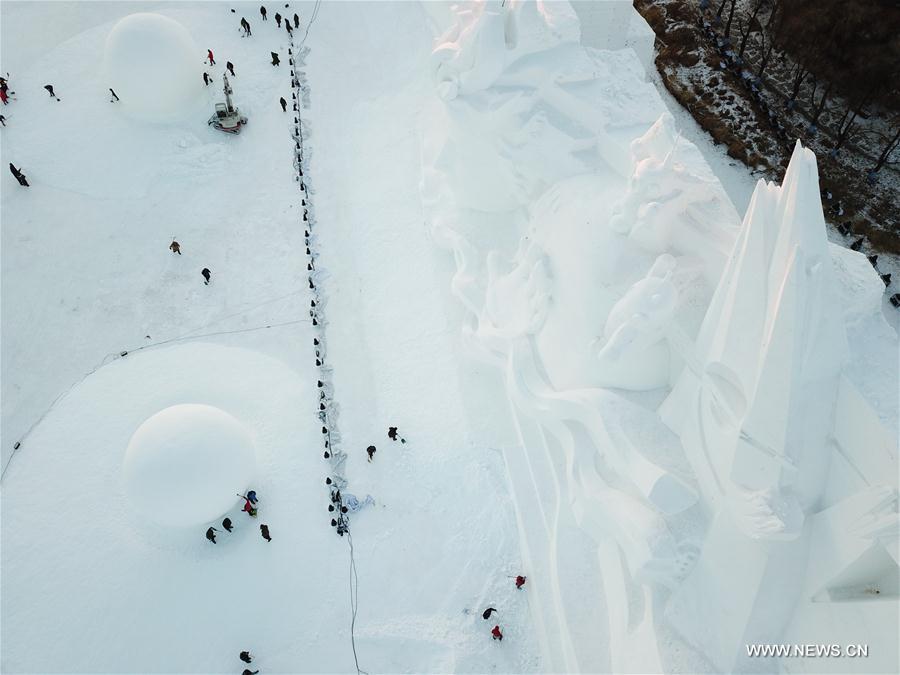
<point x="496" y="634"/>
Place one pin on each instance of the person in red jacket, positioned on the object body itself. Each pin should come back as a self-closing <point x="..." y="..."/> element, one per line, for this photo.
<point x="249" y="508"/>
<point x="496" y="634"/>
<point x="520" y="581"/>
<point x="209" y="55"/>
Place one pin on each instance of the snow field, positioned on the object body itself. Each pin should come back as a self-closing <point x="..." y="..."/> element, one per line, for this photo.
<point x="89" y="584"/>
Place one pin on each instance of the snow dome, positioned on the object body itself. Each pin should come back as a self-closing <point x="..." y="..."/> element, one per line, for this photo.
<point x="154" y="65"/>
<point x="186" y="464"/>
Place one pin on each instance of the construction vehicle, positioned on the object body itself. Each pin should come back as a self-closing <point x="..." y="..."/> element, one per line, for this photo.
<point x="227" y="117"/>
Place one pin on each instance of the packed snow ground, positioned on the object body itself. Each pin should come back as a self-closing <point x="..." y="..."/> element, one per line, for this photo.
<point x="88" y="585"/>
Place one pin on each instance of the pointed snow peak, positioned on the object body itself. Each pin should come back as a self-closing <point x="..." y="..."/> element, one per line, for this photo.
<point x="799" y="216"/>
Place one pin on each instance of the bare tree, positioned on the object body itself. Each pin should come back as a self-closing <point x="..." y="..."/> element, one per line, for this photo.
<point x="798" y="75"/>
<point x="773" y="15"/>
<point x="820" y="106"/>
<point x="766" y="51"/>
<point x="844" y="126"/>
<point x="721" y="7"/>
<point x="749" y="27"/>
<point x="730" y="18"/>
<point x="888" y="148"/>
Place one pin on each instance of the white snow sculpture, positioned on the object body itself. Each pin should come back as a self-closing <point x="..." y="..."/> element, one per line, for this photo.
<point x="489" y="36"/>
<point x="669" y="206"/>
<point x="636" y="327"/>
<point x="781" y="444"/>
<point x="154" y="65"/>
<point x="757" y="410"/>
<point x="185" y="465"/>
<point x="771" y="350"/>
<point x="515" y="303"/>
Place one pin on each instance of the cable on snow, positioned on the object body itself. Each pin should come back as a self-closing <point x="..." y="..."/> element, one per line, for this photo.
<point x="115" y="356"/>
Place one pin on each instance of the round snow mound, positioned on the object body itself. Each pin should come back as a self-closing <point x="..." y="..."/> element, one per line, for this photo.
<point x="154" y="65"/>
<point x="186" y="465"/>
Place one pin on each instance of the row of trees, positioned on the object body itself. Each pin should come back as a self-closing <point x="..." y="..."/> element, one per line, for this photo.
<point x="849" y="49"/>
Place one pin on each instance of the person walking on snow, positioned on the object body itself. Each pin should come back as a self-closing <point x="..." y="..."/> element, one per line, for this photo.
<point x="392" y="434"/>
<point x="211" y="534"/>
<point x="4" y="91"/>
<point x="2" y="120"/>
<point x="209" y="56"/>
<point x="278" y="19"/>
<point x="227" y="525"/>
<point x="246" y="26"/>
<point x="206" y="275"/>
<point x="486" y="614"/>
<point x="19" y="175"/>
<point x="175" y="247"/>
<point x="248" y="507"/>
<point x="283" y="104"/>
<point x="275" y="60"/>
<point x="115" y="97"/>
<point x="287" y="24"/>
<point x="49" y="88"/>
<point x="230" y="66"/>
<point x="252" y="497"/>
<point x="206" y="79"/>
<point x="520" y="581"/>
<point x="264" y="530"/>
<point x="496" y="634"/>
<point x="296" y="21"/>
<point x="371" y="451"/>
<point x="262" y="10"/>
<point x="245" y="657"/>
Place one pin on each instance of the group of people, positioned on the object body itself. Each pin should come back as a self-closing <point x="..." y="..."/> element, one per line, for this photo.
<point x="5" y="94"/>
<point x="245" y="25"/>
<point x="392" y="434"/>
<point x="251" y="509"/>
<point x="247" y="658"/>
<point x="340" y="505"/>
<point x="175" y="247"/>
<point x="210" y="59"/>
<point x="496" y="633"/>
<point x="264" y="13"/>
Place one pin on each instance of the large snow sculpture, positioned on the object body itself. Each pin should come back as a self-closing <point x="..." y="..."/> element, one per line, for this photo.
<point x="540" y="141"/>
<point x="756" y="409"/>
<point x="595" y="254"/>
<point x="154" y="65"/>
<point x="770" y="352"/>
<point x="185" y="465"/>
<point x="488" y="36"/>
